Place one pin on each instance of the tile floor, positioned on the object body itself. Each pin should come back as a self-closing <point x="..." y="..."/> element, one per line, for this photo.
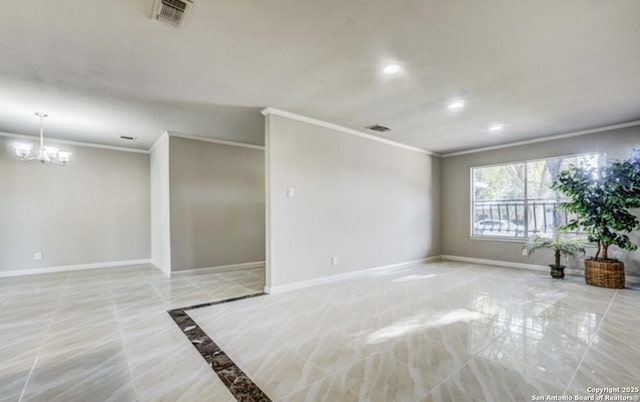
<point x="442" y="331"/>
<point x="105" y="334"/>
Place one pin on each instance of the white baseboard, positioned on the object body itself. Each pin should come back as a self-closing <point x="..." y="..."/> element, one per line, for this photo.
<point x="225" y="268"/>
<point x="340" y="277"/>
<point x="64" y="268"/>
<point x="497" y="263"/>
<point x="507" y="264"/>
<point x="165" y="270"/>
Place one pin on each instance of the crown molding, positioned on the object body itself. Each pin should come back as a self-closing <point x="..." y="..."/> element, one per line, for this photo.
<point x="78" y="143"/>
<point x="545" y="139"/>
<point x="156" y="142"/>
<point x="342" y="129"/>
<point x="215" y="141"/>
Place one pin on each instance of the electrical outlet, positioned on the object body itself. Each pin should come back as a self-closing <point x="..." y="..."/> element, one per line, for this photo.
<point x="524" y="251"/>
<point x="334" y="261"/>
<point x="38" y="255"/>
<point x="291" y="192"/>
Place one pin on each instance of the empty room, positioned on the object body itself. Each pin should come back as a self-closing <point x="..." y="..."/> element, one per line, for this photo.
<point x="216" y="200"/>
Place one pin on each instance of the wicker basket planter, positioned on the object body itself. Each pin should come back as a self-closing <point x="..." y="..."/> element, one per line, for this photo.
<point x="605" y="274"/>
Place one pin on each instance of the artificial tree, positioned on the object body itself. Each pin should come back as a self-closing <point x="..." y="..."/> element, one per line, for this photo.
<point x="600" y="199"/>
<point x="561" y="245"/>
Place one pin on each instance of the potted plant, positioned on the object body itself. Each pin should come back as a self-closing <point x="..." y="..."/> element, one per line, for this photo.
<point x="600" y="200"/>
<point x="561" y="245"/>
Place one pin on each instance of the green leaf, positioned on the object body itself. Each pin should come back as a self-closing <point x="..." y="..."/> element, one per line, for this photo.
<point x="601" y="199"/>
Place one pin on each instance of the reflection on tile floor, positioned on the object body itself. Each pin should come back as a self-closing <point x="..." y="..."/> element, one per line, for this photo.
<point x="105" y="334"/>
<point x="236" y="381"/>
<point x="441" y="331"/>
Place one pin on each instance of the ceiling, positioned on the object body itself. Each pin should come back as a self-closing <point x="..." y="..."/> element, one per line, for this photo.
<point x="102" y="69"/>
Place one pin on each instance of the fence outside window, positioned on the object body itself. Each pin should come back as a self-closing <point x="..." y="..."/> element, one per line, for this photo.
<point x="515" y="200"/>
<point x="507" y="217"/>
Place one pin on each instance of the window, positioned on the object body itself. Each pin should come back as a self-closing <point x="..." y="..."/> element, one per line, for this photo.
<point x="515" y="200"/>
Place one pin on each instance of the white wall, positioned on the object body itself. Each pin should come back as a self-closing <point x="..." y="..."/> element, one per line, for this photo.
<point x="160" y="207"/>
<point x="368" y="203"/>
<point x="94" y="210"/>
<point x="217" y="204"/>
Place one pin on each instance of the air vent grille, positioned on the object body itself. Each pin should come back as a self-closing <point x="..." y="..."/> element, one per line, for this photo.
<point x="172" y="11"/>
<point x="126" y="137"/>
<point x="379" y="128"/>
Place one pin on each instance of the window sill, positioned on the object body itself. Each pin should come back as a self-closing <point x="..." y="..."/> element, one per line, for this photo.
<point x="521" y="240"/>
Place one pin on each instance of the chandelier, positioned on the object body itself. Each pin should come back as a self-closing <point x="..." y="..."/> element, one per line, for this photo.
<point x="45" y="154"/>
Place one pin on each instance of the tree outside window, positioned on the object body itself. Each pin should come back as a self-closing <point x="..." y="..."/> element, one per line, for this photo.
<point x="515" y="200"/>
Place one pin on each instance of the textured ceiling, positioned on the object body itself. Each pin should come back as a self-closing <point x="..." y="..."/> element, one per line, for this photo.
<point x="102" y="69"/>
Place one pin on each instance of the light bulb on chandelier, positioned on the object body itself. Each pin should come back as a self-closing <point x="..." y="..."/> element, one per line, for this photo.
<point x="45" y="154"/>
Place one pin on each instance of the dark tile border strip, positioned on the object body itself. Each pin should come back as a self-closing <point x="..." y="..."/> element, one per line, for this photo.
<point x="213" y="303"/>
<point x="236" y="381"/>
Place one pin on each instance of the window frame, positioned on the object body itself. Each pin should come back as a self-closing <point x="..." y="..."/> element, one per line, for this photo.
<point x="601" y="161"/>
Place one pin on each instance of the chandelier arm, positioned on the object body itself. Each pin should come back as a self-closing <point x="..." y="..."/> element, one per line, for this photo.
<point x="45" y="155"/>
<point x="41" y="132"/>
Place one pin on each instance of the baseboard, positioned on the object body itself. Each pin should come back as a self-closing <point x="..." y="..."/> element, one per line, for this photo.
<point x="497" y="263"/>
<point x="64" y="268"/>
<point x="507" y="264"/>
<point x="340" y="277"/>
<point x="165" y="270"/>
<point x="225" y="268"/>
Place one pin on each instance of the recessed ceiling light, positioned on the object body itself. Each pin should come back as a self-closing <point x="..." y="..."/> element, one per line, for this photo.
<point x="457" y="104"/>
<point x="391" y="69"/>
<point x="496" y="127"/>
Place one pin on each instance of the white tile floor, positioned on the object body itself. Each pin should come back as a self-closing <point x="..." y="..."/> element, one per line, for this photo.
<point x="440" y="331"/>
<point x="104" y="334"/>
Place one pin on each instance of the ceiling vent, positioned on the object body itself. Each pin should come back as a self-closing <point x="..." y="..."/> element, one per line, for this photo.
<point x="175" y="12"/>
<point x="126" y="137"/>
<point x="378" y="128"/>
